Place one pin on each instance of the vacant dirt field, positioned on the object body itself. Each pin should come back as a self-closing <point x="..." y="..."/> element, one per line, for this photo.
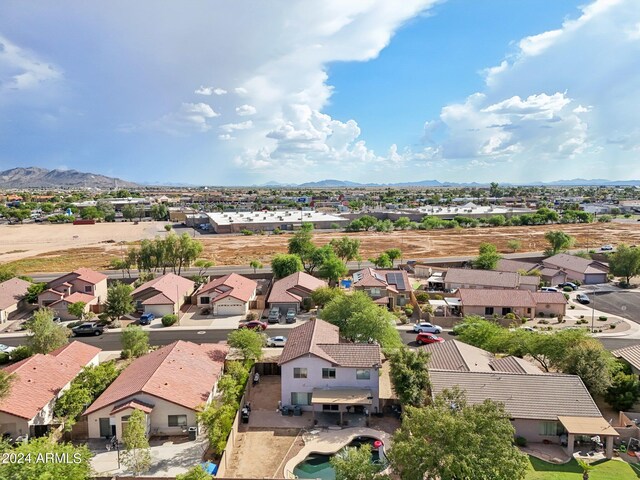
<point x="41" y="248"/>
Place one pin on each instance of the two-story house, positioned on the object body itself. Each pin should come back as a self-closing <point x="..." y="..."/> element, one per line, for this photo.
<point x="82" y="285"/>
<point x="321" y="374"/>
<point x="230" y="294"/>
<point x="386" y="287"/>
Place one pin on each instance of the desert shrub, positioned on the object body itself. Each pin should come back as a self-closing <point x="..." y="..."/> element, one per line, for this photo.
<point x="520" y="441"/>
<point x="20" y="353"/>
<point x="612" y="326"/>
<point x="544" y="322"/>
<point x="567" y="289"/>
<point x="422" y="297"/>
<point x="408" y="310"/>
<point x="510" y="316"/>
<point x="251" y="316"/>
<point x="572" y="307"/>
<point x="603" y="318"/>
<point x="169" y="320"/>
<point x="4" y="358"/>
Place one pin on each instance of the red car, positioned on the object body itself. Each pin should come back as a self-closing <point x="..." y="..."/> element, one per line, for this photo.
<point x="254" y="325"/>
<point x="423" y="338"/>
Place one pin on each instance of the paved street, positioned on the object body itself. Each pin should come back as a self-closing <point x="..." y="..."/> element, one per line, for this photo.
<point x="625" y="304"/>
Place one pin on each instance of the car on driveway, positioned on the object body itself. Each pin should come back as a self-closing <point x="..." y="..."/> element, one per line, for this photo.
<point x="274" y="315"/>
<point x="549" y="289"/>
<point x="606" y="248"/>
<point x="276" y="341"/>
<point x="424" y="338"/>
<point x="6" y="349"/>
<point x="146" y="319"/>
<point x="583" y="299"/>
<point x="291" y="316"/>
<point x="88" y="328"/>
<point x="571" y="285"/>
<point x="254" y="325"/>
<point x="426" y="327"/>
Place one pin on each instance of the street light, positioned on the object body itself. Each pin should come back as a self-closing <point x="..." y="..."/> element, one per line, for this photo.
<point x="593" y="308"/>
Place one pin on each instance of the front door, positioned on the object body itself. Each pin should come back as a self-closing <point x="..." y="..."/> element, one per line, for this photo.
<point x="105" y="428"/>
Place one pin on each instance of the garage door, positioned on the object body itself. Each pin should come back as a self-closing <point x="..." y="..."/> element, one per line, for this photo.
<point x="230" y="309"/>
<point x="593" y="278"/>
<point x="159" y="310"/>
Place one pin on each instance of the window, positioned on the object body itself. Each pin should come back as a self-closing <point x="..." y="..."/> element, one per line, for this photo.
<point x="375" y="292"/>
<point x="506" y="310"/>
<point x="328" y="373"/>
<point x="204" y="300"/>
<point x="88" y="289"/>
<point x="177" y="420"/>
<point x="299" y="373"/>
<point x="363" y="374"/>
<point x="300" y="398"/>
<point x="330" y="408"/>
<point x="488" y="310"/>
<point x="125" y="418"/>
<point x="549" y="429"/>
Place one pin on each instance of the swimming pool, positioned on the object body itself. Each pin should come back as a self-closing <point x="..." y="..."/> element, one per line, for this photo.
<point x="317" y="465"/>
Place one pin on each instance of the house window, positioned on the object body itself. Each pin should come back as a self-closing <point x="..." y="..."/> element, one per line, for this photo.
<point x="300" y="398"/>
<point x="375" y="292"/>
<point x="299" y="373"/>
<point x="363" y="374"/>
<point x="330" y="408"/>
<point x="328" y="373"/>
<point x="488" y="310"/>
<point x="204" y="300"/>
<point x="549" y="429"/>
<point x="125" y="418"/>
<point x="506" y="310"/>
<point x="177" y="420"/>
<point x="88" y="289"/>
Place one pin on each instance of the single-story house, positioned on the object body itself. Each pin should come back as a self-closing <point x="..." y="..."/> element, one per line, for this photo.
<point x="228" y="295"/>
<point x="38" y="383"/>
<point x="472" y="278"/>
<point x="584" y="270"/>
<point x="321" y="374"/>
<point x="167" y="385"/>
<point x="61" y="306"/>
<point x="551" y="276"/>
<point x="290" y="292"/>
<point x="523" y="303"/>
<point x="631" y="355"/>
<point x="12" y="294"/>
<point x="386" y="287"/>
<point x="164" y="295"/>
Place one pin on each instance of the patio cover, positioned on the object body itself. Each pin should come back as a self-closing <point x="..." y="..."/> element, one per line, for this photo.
<point x="587" y="426"/>
<point x="453" y="301"/>
<point x="342" y="396"/>
<point x="438" y="303"/>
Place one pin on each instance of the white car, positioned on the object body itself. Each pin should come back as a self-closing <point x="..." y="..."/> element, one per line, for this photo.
<point x="606" y="248"/>
<point x="276" y="341"/>
<point x="6" y="349"/>
<point x="426" y="327"/>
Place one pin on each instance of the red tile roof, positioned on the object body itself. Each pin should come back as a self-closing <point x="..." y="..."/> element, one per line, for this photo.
<point x="89" y="276"/>
<point x="183" y="373"/>
<point x="484" y="278"/>
<point x="170" y="285"/>
<point x="39" y="379"/>
<point x="77" y="297"/>
<point x="232" y="285"/>
<point x="283" y="290"/>
<point x="137" y="404"/>
<point x="12" y="291"/>
<point x="549" y="297"/>
<point x="486" y="297"/>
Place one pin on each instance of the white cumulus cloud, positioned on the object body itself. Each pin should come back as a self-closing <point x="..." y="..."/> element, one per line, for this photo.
<point x="246" y="110"/>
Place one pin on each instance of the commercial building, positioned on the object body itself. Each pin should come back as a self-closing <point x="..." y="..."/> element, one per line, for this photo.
<point x="235" y="222"/>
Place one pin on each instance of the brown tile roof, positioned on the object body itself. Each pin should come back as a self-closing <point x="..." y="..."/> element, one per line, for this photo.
<point x="630" y="354"/>
<point x="159" y="299"/>
<point x="170" y="285"/>
<point x="484" y="278"/>
<point x="356" y="355"/>
<point x="232" y="285"/>
<point x="485" y="297"/>
<point x="506" y="265"/>
<point x="12" y="291"/>
<point x="39" y="378"/>
<point x="574" y="263"/>
<point x="529" y="280"/>
<point x="77" y="297"/>
<point x="89" y="276"/>
<point x="137" y="404"/>
<point x="182" y="372"/>
<point x="548" y="297"/>
<point x="507" y="364"/>
<point x="393" y="280"/>
<point x="538" y="397"/>
<point x="281" y="292"/>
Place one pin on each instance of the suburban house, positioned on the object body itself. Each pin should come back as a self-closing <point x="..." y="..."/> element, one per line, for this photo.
<point x="164" y="295"/>
<point x="630" y="355"/>
<point x="168" y="385"/>
<point x="12" y="294"/>
<point x="82" y="285"/>
<point x="523" y="303"/>
<point x="471" y="278"/>
<point x="320" y="374"/>
<point x="584" y="270"/>
<point x="550" y="276"/>
<point x="38" y="382"/>
<point x="386" y="287"/>
<point x="290" y="292"/>
<point x="228" y="295"/>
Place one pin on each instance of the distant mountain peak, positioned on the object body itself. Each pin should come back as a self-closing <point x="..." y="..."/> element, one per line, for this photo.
<point x="36" y="177"/>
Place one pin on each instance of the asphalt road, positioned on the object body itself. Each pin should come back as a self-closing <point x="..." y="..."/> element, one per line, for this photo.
<point x="621" y="303"/>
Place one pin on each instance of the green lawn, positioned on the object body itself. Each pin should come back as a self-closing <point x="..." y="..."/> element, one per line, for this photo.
<point x="604" y="470"/>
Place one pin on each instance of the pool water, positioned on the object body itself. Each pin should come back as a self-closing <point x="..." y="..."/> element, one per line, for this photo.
<point x="318" y="465"/>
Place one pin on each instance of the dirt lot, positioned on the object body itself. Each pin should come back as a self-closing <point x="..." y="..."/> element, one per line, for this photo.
<point x="41" y="248"/>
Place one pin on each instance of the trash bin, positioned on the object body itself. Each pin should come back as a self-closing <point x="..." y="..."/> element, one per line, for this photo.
<point x="297" y="411"/>
<point x="193" y="432"/>
<point x="285" y="410"/>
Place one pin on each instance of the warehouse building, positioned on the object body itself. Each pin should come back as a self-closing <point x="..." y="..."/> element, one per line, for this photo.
<point x="235" y="222"/>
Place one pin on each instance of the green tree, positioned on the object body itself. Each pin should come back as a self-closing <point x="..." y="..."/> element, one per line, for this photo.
<point x="255" y="264"/>
<point x="590" y="361"/>
<point x="194" y="473"/>
<point x="488" y="257"/>
<point x="128" y="212"/>
<point x="34" y="290"/>
<point x="284" y="265"/>
<point x="402" y="223"/>
<point x="624" y="391"/>
<point x="217" y="419"/>
<point x="301" y="243"/>
<point x="248" y="341"/>
<point x="393" y="254"/>
<point x="354" y="463"/>
<point x="204" y="265"/>
<point x="558" y="241"/>
<point x="514" y="245"/>
<point x="137" y="454"/>
<point x="159" y="211"/>
<point x="5" y="383"/>
<point x="409" y="375"/>
<point x="187" y="251"/>
<point x="119" y="301"/>
<point x="7" y="272"/>
<point x="333" y="269"/>
<point x="135" y="342"/>
<point x="90" y="213"/>
<point x="77" y="310"/>
<point x="46" y="335"/>
<point x="473" y="441"/>
<point x="382" y="261"/>
<point x="346" y="248"/>
<point x="323" y="295"/>
<point x="625" y="262"/>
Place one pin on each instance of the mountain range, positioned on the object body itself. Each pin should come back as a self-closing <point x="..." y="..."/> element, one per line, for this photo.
<point x="35" y="177"/>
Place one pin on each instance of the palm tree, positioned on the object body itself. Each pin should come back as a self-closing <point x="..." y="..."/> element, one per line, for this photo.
<point x="586" y="468"/>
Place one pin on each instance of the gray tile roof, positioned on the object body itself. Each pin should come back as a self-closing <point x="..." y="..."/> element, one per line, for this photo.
<point x="485" y="278"/>
<point x="574" y="263"/>
<point x="506" y="265"/>
<point x="356" y="355"/>
<point x="538" y="397"/>
<point x="630" y="354"/>
<point x="485" y="297"/>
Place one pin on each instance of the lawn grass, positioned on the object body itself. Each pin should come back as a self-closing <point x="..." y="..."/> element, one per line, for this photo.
<point x="604" y="470"/>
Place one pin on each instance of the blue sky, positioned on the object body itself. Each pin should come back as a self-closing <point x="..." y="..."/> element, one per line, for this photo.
<point x="247" y="92"/>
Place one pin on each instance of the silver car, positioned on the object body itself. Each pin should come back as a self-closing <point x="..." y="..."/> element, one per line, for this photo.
<point x="279" y="341"/>
<point x="426" y="327"/>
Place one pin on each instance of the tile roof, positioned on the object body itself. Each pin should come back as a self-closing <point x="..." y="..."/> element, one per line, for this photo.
<point x="506" y="265"/>
<point x="574" y="263"/>
<point x="484" y="297"/>
<point x="458" y="356"/>
<point x="39" y="378"/>
<point x="355" y="355"/>
<point x="89" y="276"/>
<point x="182" y="372"/>
<point x="77" y="297"/>
<point x="508" y="365"/>
<point x="539" y="397"/>
<point x="171" y="285"/>
<point x="548" y="297"/>
<point x="281" y="292"/>
<point x="231" y="285"/>
<point x="12" y="291"/>
<point x="137" y="404"/>
<point x="529" y="280"/>
<point x="393" y="280"/>
<point x="485" y="278"/>
<point x="159" y="299"/>
<point x="630" y="354"/>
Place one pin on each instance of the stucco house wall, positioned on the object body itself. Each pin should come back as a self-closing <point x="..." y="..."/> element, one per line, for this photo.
<point x="497" y="310"/>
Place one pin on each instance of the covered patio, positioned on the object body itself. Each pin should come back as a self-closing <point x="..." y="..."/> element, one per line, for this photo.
<point x="343" y="402"/>
<point x="447" y="307"/>
<point x="579" y="427"/>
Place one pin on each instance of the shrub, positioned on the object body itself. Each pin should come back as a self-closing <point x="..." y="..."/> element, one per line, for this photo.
<point x="408" y="310"/>
<point x="20" y="353"/>
<point x="520" y="441"/>
<point x="566" y="295"/>
<point x="603" y="318"/>
<point x="581" y="317"/>
<point x="169" y="320"/>
<point x="307" y="303"/>
<point x="4" y="358"/>
<point x="612" y="326"/>
<point x="244" y="231"/>
<point x="251" y="316"/>
<point x="572" y="307"/>
<point x="438" y="297"/>
<point x="510" y="316"/>
<point x="544" y="322"/>
<point x="541" y="314"/>
<point x="567" y="289"/>
<point x="422" y="297"/>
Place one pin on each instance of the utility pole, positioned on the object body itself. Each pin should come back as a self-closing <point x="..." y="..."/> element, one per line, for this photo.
<point x="593" y="308"/>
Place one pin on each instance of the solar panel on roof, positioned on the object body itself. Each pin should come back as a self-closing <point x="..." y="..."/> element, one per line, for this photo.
<point x="396" y="279"/>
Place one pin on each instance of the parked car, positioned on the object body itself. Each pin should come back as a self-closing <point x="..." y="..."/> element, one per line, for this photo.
<point x="6" y="348"/>
<point x="274" y="315"/>
<point x="88" y="328"/>
<point x="549" y="289"/>
<point x="146" y="319"/>
<point x="291" y="316"/>
<point x="583" y="299"/>
<point x="279" y="341"/>
<point x="57" y="320"/>
<point x="423" y="338"/>
<point x="426" y="327"/>
<point x="606" y="248"/>
<point x="254" y="325"/>
<point x="571" y="285"/>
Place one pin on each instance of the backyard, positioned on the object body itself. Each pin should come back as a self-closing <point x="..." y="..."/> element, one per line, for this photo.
<point x="604" y="470"/>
